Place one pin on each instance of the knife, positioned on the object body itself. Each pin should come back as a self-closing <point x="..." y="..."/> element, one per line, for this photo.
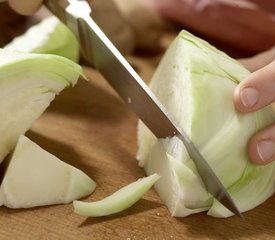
<point x="98" y="50"/>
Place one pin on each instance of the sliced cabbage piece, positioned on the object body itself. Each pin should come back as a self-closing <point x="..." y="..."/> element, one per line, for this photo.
<point x="28" y="83"/>
<point x="35" y="177"/>
<point x="195" y="82"/>
<point x="118" y="201"/>
<point x="49" y="36"/>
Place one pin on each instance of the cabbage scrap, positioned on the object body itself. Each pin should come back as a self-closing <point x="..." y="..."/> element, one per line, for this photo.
<point x="118" y="201"/>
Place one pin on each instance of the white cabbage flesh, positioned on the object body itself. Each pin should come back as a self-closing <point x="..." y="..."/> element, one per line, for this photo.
<point x="35" y="177"/>
<point x="195" y="82"/>
<point x="49" y="36"/>
<point x="28" y="83"/>
<point x="118" y="201"/>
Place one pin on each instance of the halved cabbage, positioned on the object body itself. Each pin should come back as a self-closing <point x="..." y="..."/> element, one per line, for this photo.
<point x="195" y="82"/>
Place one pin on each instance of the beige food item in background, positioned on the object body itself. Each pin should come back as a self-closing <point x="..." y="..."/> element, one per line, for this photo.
<point x="110" y="20"/>
<point x="145" y="22"/>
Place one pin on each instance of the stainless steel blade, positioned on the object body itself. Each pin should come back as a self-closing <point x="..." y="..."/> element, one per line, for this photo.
<point x="101" y="53"/>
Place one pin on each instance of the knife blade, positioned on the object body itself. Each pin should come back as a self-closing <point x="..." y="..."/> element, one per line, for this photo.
<point x="102" y="54"/>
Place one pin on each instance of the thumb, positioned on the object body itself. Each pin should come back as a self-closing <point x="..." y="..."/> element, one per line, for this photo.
<point x="261" y="148"/>
<point x="257" y="91"/>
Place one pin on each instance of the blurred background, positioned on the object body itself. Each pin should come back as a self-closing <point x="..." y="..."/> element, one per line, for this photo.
<point x="241" y="28"/>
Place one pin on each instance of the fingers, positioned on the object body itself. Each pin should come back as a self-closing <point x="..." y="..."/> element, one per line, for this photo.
<point x="257" y="91"/>
<point x="258" y="61"/>
<point x="261" y="148"/>
<point x="25" y="7"/>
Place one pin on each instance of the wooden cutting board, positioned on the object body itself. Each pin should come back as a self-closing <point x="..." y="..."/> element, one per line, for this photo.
<point x="89" y="127"/>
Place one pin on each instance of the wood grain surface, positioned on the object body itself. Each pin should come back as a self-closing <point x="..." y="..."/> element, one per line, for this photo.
<point x="89" y="127"/>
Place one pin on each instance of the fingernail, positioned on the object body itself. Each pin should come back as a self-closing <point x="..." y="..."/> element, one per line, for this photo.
<point x="266" y="150"/>
<point x="249" y="96"/>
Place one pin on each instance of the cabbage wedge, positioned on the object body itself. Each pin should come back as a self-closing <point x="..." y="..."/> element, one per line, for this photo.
<point x="50" y="36"/>
<point x="35" y="177"/>
<point x="28" y="83"/>
<point x="195" y="82"/>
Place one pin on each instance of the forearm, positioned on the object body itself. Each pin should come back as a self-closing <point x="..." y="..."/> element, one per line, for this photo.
<point x="239" y="24"/>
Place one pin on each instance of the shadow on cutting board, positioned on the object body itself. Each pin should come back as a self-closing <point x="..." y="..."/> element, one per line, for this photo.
<point x="90" y="99"/>
<point x="64" y="152"/>
<point x="143" y="205"/>
<point x="257" y="223"/>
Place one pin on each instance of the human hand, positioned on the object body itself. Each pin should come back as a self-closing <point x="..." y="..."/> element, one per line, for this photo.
<point x="25" y="7"/>
<point x="255" y="92"/>
<point x="258" y="61"/>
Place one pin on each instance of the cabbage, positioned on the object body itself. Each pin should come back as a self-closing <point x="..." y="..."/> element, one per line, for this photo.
<point x="49" y="36"/>
<point x="35" y="177"/>
<point x="118" y="201"/>
<point x="28" y="83"/>
<point x="195" y="82"/>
